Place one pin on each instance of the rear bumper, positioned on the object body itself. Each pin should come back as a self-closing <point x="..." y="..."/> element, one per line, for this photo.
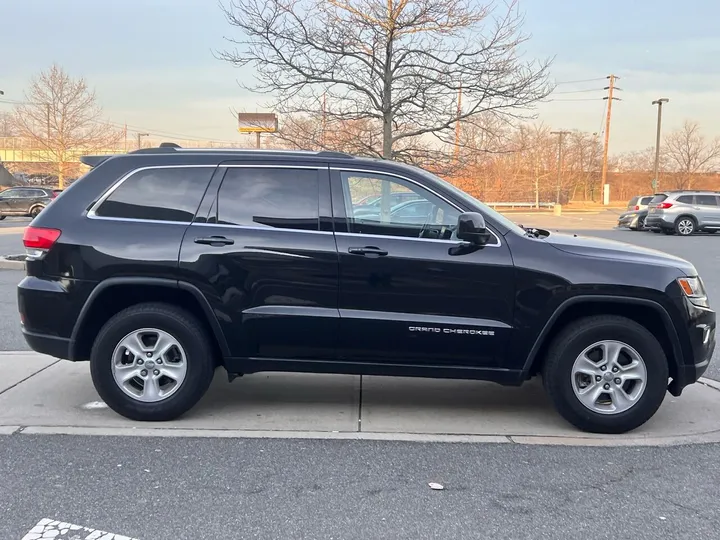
<point x="50" y="345"/>
<point x="49" y="309"/>
<point x="658" y="222"/>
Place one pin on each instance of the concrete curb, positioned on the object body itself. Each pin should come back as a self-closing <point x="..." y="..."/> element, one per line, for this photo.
<point x="581" y="439"/>
<point x="7" y="264"/>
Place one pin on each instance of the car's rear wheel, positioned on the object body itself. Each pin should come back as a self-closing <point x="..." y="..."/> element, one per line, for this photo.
<point x="2" y="217"/>
<point x="35" y="211"/>
<point x="152" y="362"/>
<point x="606" y="374"/>
<point x="685" y="226"/>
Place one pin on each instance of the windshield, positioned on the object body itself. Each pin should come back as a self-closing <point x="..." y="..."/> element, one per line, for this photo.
<point x="486" y="210"/>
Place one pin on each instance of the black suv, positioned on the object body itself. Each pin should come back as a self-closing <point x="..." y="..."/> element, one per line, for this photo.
<point x="162" y="264"/>
<point x="25" y="201"/>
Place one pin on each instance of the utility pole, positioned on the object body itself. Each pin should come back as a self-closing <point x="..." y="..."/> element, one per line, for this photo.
<point x="257" y="140"/>
<point x="610" y="88"/>
<point x="457" y="124"/>
<point x="561" y="135"/>
<point x="139" y="139"/>
<point x="659" y="103"/>
<point x="125" y="136"/>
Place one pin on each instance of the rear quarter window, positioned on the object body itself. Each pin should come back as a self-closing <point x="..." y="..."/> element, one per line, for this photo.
<point x="645" y="201"/>
<point x="657" y="199"/>
<point x="633" y="202"/>
<point x="163" y="194"/>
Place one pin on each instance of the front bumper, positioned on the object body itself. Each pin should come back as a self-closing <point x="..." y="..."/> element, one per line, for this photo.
<point x="628" y="220"/>
<point x="701" y="345"/>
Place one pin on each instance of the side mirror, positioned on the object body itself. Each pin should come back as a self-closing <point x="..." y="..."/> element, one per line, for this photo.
<point x="471" y="228"/>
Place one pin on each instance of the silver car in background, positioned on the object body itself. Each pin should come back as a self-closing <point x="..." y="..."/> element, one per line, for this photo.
<point x="684" y="212"/>
<point x="634" y="216"/>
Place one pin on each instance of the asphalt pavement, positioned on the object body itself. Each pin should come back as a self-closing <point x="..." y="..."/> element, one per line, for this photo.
<point x="172" y="489"/>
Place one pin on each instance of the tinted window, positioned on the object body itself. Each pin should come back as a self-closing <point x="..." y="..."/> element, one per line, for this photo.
<point x="11" y="193"/>
<point x="707" y="200"/>
<point x="427" y="216"/>
<point x="657" y="199"/>
<point x="35" y="193"/>
<point x="158" y="194"/>
<point x="645" y="201"/>
<point x="632" y="202"/>
<point x="281" y="198"/>
<point x="685" y="199"/>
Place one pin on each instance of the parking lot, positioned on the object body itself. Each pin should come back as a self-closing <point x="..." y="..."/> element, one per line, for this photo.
<point x="382" y="473"/>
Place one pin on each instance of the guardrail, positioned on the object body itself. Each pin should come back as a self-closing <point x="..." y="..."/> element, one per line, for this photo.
<point x="520" y="204"/>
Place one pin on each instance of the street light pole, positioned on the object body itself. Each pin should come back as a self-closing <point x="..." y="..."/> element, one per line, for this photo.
<point x="659" y="103"/>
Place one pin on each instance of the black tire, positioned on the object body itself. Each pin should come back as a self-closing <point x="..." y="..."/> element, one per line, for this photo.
<point x="669" y="232"/>
<point x="685" y="225"/>
<point x="35" y="211"/>
<point x="2" y="217"/>
<point x="640" y="224"/>
<point x="571" y="342"/>
<point x="186" y="329"/>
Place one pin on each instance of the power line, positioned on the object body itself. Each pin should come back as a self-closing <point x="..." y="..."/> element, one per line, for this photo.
<point x="579" y="91"/>
<point x="580" y="81"/>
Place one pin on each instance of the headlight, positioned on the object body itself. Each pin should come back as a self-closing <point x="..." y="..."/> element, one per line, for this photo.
<point x="694" y="290"/>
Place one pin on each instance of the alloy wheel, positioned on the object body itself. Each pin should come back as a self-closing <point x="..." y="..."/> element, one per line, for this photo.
<point x="609" y="377"/>
<point x="149" y="365"/>
<point x="686" y="227"/>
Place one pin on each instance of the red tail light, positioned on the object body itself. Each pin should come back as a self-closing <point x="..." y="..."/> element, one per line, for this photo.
<point x="664" y="205"/>
<point x="40" y="237"/>
<point x="54" y="194"/>
<point x="637" y="207"/>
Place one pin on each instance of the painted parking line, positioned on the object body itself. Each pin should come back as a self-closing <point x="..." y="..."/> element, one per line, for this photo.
<point x="48" y="528"/>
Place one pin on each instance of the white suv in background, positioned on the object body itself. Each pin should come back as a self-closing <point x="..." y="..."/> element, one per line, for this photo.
<point x="684" y="212"/>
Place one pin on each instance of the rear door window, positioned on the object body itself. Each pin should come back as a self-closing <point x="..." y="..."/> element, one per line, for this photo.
<point x="685" y="199"/>
<point x="657" y="199"/>
<point x="706" y="200"/>
<point x="162" y="194"/>
<point x="270" y="197"/>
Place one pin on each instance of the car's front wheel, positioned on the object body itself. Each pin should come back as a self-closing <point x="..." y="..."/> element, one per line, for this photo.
<point x="606" y="374"/>
<point x="152" y="362"/>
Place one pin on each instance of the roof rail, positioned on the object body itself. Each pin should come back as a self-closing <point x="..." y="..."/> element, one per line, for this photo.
<point x="154" y="150"/>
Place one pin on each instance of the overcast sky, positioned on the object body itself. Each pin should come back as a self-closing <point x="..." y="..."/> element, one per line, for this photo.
<point x="152" y="66"/>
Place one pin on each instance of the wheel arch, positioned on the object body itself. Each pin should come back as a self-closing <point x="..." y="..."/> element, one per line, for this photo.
<point x="36" y="205"/>
<point x="114" y="294"/>
<point x="648" y="313"/>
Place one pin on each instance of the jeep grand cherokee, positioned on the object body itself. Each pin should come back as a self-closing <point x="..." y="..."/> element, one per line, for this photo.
<point x="162" y="264"/>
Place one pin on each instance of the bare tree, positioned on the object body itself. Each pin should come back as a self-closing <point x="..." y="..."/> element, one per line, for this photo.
<point x="61" y="116"/>
<point x="401" y="66"/>
<point x="689" y="153"/>
<point x="7" y="126"/>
